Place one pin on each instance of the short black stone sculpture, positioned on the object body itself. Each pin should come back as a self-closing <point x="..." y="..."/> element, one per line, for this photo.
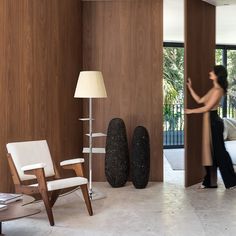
<point x="117" y="154"/>
<point x="140" y="157"/>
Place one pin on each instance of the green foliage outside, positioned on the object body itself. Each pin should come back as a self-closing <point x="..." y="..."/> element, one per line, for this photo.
<point x="232" y="77"/>
<point x="219" y="57"/>
<point x="173" y="75"/>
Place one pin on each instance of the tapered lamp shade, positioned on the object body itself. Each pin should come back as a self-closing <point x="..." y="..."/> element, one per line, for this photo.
<point x="90" y="85"/>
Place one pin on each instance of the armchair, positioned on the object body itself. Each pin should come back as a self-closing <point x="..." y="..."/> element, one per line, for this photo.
<point x="32" y="161"/>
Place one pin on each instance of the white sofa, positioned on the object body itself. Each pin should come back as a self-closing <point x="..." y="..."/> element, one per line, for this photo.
<point x="230" y="137"/>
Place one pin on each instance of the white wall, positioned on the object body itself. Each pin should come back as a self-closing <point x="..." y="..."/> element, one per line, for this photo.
<point x="174" y="22"/>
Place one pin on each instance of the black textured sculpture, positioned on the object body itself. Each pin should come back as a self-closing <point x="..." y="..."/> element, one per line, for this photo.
<point x="117" y="154"/>
<point x="140" y="157"/>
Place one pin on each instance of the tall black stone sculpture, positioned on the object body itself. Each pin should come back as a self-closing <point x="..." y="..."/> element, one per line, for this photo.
<point x="117" y="154"/>
<point x="140" y="157"/>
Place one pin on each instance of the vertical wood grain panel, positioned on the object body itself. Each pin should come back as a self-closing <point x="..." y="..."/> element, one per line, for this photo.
<point x="40" y="60"/>
<point x="124" y="40"/>
<point x="199" y="61"/>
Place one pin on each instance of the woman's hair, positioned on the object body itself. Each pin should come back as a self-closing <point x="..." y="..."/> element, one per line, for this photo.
<point x="222" y="74"/>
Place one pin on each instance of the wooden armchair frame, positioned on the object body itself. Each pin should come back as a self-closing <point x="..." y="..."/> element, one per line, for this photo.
<point x="49" y="197"/>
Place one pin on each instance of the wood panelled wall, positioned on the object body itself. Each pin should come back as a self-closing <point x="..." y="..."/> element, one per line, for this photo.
<point x="124" y="40"/>
<point x="199" y="61"/>
<point x="40" y="60"/>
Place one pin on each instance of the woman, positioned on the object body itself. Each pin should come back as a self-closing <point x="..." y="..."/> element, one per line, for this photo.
<point x="219" y="157"/>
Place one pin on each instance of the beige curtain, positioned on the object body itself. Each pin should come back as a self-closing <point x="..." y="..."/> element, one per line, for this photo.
<point x="206" y="140"/>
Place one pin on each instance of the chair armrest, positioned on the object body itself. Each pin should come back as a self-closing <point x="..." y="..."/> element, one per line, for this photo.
<point x="72" y="161"/>
<point x="76" y="164"/>
<point x="33" y="166"/>
<point x="37" y="170"/>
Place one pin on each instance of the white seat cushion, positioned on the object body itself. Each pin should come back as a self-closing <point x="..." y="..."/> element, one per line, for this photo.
<point x="64" y="183"/>
<point x="231" y="148"/>
<point x="30" y="153"/>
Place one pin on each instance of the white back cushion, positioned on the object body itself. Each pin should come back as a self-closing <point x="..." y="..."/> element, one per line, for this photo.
<point x="28" y="153"/>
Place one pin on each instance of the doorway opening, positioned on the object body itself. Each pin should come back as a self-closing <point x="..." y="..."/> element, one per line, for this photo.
<point x="173" y="92"/>
<point x="173" y="81"/>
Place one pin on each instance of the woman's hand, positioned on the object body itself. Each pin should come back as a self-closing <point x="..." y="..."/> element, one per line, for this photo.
<point x="189" y="83"/>
<point x="188" y="111"/>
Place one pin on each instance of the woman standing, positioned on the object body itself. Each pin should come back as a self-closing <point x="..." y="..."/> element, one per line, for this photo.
<point x="213" y="141"/>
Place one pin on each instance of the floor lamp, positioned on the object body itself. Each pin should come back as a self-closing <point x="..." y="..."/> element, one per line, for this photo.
<point x="91" y="85"/>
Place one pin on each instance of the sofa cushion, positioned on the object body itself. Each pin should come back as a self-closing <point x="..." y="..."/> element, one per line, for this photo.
<point x="229" y="129"/>
<point x="231" y="148"/>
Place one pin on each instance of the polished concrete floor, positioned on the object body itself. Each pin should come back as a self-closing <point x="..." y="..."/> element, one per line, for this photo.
<point x="160" y="209"/>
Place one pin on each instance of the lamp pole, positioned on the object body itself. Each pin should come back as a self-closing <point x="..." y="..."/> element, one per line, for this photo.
<point x="90" y="147"/>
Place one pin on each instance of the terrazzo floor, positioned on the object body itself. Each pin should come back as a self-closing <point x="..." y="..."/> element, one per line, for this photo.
<point x="160" y="209"/>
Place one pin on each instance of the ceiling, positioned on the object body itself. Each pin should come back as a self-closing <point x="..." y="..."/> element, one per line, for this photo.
<point x="221" y="2"/>
<point x="225" y="21"/>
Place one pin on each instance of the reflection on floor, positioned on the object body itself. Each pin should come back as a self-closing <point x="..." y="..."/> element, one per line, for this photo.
<point x="173" y="176"/>
<point x="163" y="209"/>
<point x="175" y="157"/>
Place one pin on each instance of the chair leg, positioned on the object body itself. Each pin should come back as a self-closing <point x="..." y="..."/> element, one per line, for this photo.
<point x="84" y="190"/>
<point x="54" y="197"/>
<point x="47" y="204"/>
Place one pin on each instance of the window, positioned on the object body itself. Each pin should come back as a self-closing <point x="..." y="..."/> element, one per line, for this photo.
<point x="227" y="57"/>
<point x="173" y="89"/>
<point x="231" y="98"/>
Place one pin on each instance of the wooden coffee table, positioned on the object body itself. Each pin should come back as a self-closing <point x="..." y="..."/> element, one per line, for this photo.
<point x="16" y="210"/>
